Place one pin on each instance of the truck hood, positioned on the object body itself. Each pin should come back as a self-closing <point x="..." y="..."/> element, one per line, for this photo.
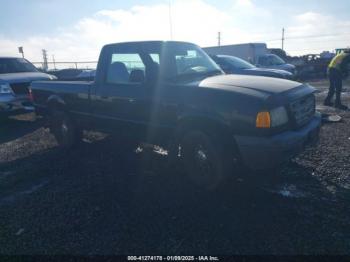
<point x="287" y="67"/>
<point x="24" y="77"/>
<point x="268" y="71"/>
<point x="264" y="86"/>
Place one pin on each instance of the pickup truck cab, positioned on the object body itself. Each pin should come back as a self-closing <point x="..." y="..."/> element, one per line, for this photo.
<point x="16" y="74"/>
<point x="173" y="95"/>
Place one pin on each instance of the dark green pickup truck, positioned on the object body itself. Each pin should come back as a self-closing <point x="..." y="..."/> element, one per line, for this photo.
<point x="173" y="95"/>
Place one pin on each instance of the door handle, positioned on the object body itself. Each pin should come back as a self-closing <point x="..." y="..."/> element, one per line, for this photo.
<point x="104" y="97"/>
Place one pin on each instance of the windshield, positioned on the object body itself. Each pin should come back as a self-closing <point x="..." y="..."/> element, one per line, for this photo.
<point x="276" y="60"/>
<point x="15" y="65"/>
<point x="189" y="61"/>
<point x="237" y="62"/>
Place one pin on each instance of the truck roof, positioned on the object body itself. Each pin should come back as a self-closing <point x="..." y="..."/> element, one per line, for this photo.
<point x="9" y="57"/>
<point x="155" y="42"/>
<point x="235" y="45"/>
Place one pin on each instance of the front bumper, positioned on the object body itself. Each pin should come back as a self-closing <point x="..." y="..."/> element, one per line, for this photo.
<point x="268" y="152"/>
<point x="12" y="105"/>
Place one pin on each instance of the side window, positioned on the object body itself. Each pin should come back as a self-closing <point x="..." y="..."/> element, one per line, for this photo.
<point x="223" y="64"/>
<point x="263" y="60"/>
<point x="155" y="58"/>
<point x="125" y="68"/>
<point x="187" y="60"/>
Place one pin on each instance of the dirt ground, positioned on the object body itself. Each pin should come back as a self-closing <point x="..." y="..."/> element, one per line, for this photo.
<point x="106" y="198"/>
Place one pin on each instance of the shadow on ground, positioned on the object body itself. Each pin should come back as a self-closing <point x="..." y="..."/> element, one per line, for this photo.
<point x="11" y="128"/>
<point x="109" y="198"/>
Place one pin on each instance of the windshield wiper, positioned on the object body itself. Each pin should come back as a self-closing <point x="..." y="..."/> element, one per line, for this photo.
<point x="213" y="72"/>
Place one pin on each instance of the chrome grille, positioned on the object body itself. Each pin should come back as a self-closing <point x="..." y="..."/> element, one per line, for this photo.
<point x="303" y="110"/>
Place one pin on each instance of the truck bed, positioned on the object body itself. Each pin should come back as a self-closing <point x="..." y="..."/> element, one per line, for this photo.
<point x="73" y="93"/>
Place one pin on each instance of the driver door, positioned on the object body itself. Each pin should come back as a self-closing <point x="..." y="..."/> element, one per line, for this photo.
<point x="122" y="100"/>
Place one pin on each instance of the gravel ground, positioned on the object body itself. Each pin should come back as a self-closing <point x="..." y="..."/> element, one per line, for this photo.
<point x="107" y="198"/>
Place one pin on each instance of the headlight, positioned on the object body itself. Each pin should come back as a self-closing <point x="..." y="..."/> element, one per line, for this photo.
<point x="5" y="89"/>
<point x="274" y="118"/>
<point x="279" y="116"/>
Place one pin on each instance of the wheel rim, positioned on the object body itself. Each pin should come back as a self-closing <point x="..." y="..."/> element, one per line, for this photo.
<point x="64" y="128"/>
<point x="64" y="131"/>
<point x="203" y="161"/>
<point x="202" y="167"/>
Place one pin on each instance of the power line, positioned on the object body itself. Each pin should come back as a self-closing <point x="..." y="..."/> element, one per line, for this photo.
<point x="307" y="36"/>
<point x="320" y="41"/>
<point x="303" y="37"/>
<point x="310" y="49"/>
<point x="317" y="36"/>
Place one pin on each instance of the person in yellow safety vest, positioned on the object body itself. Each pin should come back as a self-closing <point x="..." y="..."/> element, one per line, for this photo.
<point x="337" y="71"/>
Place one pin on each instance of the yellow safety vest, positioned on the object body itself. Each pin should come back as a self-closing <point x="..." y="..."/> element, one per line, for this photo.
<point x="337" y="60"/>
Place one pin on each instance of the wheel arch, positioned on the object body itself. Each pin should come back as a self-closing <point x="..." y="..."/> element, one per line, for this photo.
<point x="209" y="125"/>
<point x="56" y="102"/>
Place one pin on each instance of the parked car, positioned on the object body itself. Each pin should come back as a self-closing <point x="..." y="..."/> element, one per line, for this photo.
<point x="235" y="65"/>
<point x="273" y="61"/>
<point x="16" y="74"/>
<point x="174" y="95"/>
<point x="72" y="74"/>
<point x="255" y="53"/>
<point x="86" y="75"/>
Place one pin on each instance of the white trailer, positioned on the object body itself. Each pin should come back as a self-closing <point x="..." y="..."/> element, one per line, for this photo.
<point x="249" y="52"/>
<point x="254" y="53"/>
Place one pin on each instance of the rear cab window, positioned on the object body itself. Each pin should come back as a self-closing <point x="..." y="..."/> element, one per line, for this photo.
<point x="131" y="66"/>
<point x="125" y="68"/>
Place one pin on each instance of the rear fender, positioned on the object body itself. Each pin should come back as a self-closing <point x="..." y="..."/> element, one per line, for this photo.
<point x="56" y="102"/>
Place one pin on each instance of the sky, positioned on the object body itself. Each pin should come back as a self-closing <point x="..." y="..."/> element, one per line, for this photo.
<point x="75" y="30"/>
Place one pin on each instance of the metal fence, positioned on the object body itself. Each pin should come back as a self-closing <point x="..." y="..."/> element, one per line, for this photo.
<point x="65" y="65"/>
<point x="81" y="65"/>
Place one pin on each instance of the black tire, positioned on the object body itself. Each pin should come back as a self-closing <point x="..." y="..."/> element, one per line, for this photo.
<point x="64" y="129"/>
<point x="206" y="160"/>
<point x="3" y="119"/>
<point x="173" y="149"/>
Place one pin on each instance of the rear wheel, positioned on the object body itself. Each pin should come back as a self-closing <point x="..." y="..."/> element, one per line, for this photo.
<point x="206" y="159"/>
<point x="64" y="129"/>
<point x="3" y="118"/>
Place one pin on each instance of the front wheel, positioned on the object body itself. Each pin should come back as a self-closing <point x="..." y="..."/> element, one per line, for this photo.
<point x="64" y="129"/>
<point x="205" y="159"/>
<point x="3" y="118"/>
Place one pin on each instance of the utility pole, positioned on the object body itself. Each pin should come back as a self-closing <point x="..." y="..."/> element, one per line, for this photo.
<point x="170" y="22"/>
<point x="219" y="38"/>
<point x="20" y="50"/>
<point x="45" y="64"/>
<point x="54" y="62"/>
<point x="283" y="38"/>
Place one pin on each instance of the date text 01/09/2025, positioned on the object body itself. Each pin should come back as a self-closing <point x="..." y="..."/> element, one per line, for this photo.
<point x="172" y="258"/>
